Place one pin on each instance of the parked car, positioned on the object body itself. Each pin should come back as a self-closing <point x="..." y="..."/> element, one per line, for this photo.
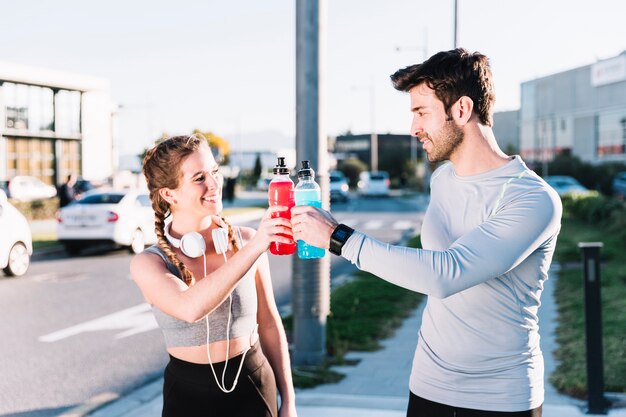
<point x="82" y="186"/>
<point x="619" y="185"/>
<point x="338" y="187"/>
<point x="121" y="218"/>
<point x="564" y="185"/>
<point x="373" y="183"/>
<point x="16" y="244"/>
<point x="27" y="188"/>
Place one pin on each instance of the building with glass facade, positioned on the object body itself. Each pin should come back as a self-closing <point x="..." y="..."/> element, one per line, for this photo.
<point x="55" y="123"/>
<point x="581" y="112"/>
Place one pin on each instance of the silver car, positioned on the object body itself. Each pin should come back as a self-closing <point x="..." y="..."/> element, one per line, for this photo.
<point x="339" y="189"/>
<point x="373" y="183"/>
<point x="16" y="244"/>
<point x="118" y="217"/>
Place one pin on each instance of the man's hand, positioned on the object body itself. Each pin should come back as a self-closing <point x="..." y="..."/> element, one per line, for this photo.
<point x="312" y="225"/>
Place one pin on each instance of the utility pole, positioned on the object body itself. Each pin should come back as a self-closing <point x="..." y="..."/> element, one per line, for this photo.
<point x="311" y="277"/>
<point x="374" y="135"/>
<point x="456" y="24"/>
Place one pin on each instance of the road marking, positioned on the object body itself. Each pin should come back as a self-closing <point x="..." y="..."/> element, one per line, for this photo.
<point x="350" y="222"/>
<point x="59" y="277"/>
<point x="402" y="225"/>
<point x="373" y="225"/>
<point x="93" y="404"/>
<point x="135" y="320"/>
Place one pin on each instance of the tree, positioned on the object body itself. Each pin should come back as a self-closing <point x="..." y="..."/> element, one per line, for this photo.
<point x="218" y="143"/>
<point x="258" y="168"/>
<point x="352" y="168"/>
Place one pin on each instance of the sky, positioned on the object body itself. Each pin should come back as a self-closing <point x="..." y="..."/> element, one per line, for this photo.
<point x="229" y="66"/>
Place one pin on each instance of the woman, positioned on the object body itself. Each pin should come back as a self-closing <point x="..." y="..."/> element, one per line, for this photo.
<point x="208" y="303"/>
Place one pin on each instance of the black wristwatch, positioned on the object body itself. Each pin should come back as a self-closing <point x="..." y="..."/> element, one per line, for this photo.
<point x="338" y="238"/>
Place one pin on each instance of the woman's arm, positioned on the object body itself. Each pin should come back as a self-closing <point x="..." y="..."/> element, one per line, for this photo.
<point x="273" y="338"/>
<point x="175" y="298"/>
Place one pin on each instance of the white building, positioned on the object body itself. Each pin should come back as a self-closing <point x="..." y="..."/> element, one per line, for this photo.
<point x="581" y="112"/>
<point x="54" y="123"/>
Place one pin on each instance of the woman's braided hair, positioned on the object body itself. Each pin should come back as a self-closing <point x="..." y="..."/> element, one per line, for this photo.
<point x="161" y="167"/>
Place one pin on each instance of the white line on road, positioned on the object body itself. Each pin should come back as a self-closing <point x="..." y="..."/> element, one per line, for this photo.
<point x="135" y="320"/>
<point x="372" y="225"/>
<point x="349" y="222"/>
<point x="402" y="225"/>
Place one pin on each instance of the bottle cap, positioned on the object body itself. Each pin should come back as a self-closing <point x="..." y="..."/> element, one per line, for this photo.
<point x="281" y="168"/>
<point x="306" y="170"/>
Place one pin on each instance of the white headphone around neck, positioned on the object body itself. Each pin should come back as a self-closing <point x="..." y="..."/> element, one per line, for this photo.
<point x="192" y="244"/>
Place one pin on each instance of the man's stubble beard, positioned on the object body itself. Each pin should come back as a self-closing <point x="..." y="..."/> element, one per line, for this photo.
<point x="445" y="142"/>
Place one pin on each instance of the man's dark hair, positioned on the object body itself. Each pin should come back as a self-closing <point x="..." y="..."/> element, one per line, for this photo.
<point x="453" y="74"/>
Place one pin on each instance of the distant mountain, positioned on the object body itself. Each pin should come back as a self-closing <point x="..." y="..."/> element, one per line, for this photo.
<point x="129" y="163"/>
<point x="265" y="140"/>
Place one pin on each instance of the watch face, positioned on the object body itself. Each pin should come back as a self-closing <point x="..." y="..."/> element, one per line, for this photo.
<point x="341" y="234"/>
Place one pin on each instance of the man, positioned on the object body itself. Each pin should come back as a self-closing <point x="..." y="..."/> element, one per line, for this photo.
<point x="488" y="235"/>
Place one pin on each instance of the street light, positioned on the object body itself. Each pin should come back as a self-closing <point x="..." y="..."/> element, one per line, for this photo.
<point x="456" y="23"/>
<point x="424" y="49"/>
<point x="373" y="134"/>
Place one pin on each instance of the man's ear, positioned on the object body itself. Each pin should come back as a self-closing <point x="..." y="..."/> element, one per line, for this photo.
<point x="167" y="195"/>
<point x="462" y="110"/>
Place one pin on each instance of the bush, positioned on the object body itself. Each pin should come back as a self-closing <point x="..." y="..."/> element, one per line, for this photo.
<point x="352" y="168"/>
<point x="38" y="209"/>
<point x="596" y="209"/>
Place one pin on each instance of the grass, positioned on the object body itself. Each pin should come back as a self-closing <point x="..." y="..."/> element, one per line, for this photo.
<point x="364" y="311"/>
<point x="44" y="240"/>
<point x="570" y="376"/>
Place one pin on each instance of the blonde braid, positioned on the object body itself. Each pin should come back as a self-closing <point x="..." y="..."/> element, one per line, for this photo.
<point x="231" y="236"/>
<point x="159" y="228"/>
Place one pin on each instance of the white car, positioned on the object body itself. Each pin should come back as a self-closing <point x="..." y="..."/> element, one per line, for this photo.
<point x="373" y="183"/>
<point x="16" y="244"/>
<point x="27" y="188"/>
<point x="121" y="218"/>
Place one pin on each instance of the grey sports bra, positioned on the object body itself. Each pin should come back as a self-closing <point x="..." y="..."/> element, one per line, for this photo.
<point x="179" y="333"/>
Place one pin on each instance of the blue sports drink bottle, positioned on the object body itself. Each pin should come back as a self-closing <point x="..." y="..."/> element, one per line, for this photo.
<point x="307" y="193"/>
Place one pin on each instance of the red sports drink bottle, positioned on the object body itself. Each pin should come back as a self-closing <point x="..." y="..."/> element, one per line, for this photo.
<point x="281" y="194"/>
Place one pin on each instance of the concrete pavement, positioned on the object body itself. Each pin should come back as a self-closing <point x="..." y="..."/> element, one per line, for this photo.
<point x="378" y="385"/>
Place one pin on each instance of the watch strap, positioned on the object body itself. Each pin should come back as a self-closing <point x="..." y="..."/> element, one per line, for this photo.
<point x="338" y="238"/>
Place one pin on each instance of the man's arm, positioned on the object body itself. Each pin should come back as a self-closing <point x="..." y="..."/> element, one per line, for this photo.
<point x="489" y="250"/>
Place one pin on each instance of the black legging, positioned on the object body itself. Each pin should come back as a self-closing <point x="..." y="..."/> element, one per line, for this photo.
<point x="190" y="390"/>
<point x="421" y="407"/>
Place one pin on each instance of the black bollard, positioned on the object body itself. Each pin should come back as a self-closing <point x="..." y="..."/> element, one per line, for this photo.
<point x="596" y="403"/>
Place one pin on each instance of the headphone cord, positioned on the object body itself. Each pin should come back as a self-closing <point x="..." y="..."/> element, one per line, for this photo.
<point x="222" y="386"/>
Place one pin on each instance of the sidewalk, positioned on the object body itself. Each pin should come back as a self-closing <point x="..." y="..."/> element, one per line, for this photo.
<point x="378" y="385"/>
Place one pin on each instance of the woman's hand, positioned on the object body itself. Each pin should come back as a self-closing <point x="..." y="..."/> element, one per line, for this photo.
<point x="273" y="229"/>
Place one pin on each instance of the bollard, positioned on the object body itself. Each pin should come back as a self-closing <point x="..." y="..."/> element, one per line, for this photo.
<point x="596" y="403"/>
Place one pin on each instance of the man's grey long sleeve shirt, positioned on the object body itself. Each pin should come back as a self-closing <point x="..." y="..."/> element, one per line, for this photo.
<point x="488" y="243"/>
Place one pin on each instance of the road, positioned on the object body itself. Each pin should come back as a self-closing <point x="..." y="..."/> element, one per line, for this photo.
<point x="76" y="328"/>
